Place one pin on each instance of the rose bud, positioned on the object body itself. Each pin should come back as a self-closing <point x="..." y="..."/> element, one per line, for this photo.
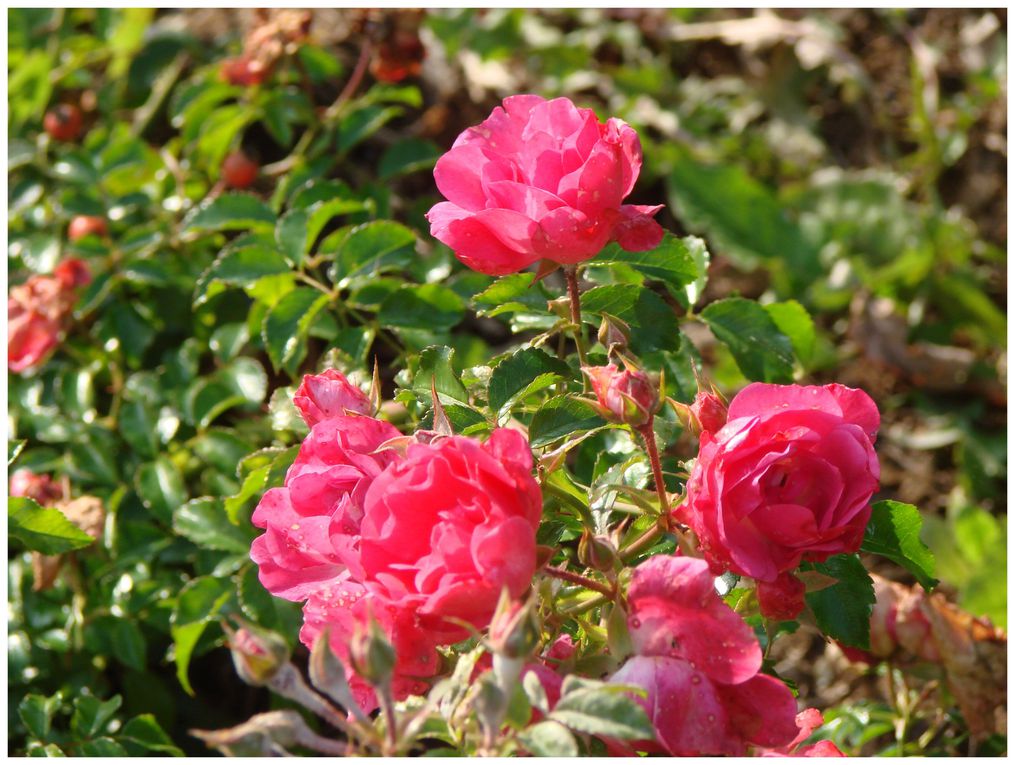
<point x="708" y="412"/>
<point x="372" y="655"/>
<point x="63" y="123"/>
<point x="73" y="272"/>
<point x="514" y="629"/>
<point x="614" y="333"/>
<point x="258" y="654"/>
<point x="628" y="396"/>
<point x="86" y="225"/>
<point x="239" y="171"/>
<point x="597" y="552"/>
<point x="783" y="599"/>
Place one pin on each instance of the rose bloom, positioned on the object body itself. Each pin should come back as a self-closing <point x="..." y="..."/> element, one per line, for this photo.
<point x="370" y="524"/>
<point x="699" y="663"/>
<point x="789" y="477"/>
<point x="540" y="179"/>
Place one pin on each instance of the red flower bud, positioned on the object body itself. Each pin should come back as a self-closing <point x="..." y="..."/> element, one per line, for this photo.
<point x="63" y="123"/>
<point x="783" y="599"/>
<point x="708" y="411"/>
<point x="629" y="396"/>
<point x="85" y="225"/>
<point x="239" y="171"/>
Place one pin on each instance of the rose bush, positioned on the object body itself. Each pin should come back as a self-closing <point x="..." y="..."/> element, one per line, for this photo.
<point x="788" y="478"/>
<point x="538" y="180"/>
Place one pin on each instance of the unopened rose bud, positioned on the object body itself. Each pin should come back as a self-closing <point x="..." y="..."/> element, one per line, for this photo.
<point x="708" y="412"/>
<point x="597" y="552"/>
<point x="614" y="333"/>
<point x="372" y="655"/>
<point x="783" y="599"/>
<point x="258" y="654"/>
<point x="629" y="396"/>
<point x="514" y="629"/>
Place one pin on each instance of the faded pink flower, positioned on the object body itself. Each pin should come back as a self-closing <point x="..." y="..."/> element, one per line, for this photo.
<point x="329" y="394"/>
<point x="699" y="663"/>
<point x="624" y="396"/>
<point x="788" y="478"/>
<point x="540" y="179"/>
<point x="36" y="312"/>
<point x="38" y="486"/>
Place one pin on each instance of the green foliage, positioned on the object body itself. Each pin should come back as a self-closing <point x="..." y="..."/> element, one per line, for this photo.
<point x="894" y="532"/>
<point x="843" y="610"/>
<point x="44" y="529"/>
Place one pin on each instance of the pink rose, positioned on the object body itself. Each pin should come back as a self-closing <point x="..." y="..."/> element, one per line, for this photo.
<point x="699" y="663"/>
<point x="451" y="525"/>
<point x="788" y="478"/>
<point x="310" y="523"/>
<point x="540" y="179"/>
<point x="627" y="396"/>
<point x="40" y="487"/>
<point x="329" y="394"/>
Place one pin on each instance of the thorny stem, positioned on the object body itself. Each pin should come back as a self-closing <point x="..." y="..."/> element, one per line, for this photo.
<point x="584" y="581"/>
<point x="571" y="273"/>
<point x="289" y="683"/>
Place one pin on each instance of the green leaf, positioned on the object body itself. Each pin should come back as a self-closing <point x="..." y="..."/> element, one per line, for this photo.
<point x="603" y="712"/>
<point x="253" y="484"/>
<point x="43" y="529"/>
<point x="653" y="322"/>
<point x="37" y="712"/>
<point x="408" y="155"/>
<point x="205" y="523"/>
<point x="199" y="601"/>
<point x="793" y="321"/>
<point x="160" y="486"/>
<point x="739" y="215"/>
<point x="287" y="323"/>
<point x="128" y="644"/>
<point x="362" y="123"/>
<point x="14" y="448"/>
<point x="515" y="377"/>
<point x="672" y="262"/>
<point x="145" y="731"/>
<point x="436" y="365"/>
<point x="92" y="715"/>
<point x="425" y="306"/>
<point x="843" y="610"/>
<point x="549" y="739"/>
<point x="761" y="351"/>
<point x="229" y="212"/>
<point x="560" y="417"/>
<point x="298" y="229"/>
<point x="102" y="747"/>
<point x="373" y="246"/>
<point x="513" y="293"/>
<point x="240" y="267"/>
<point x="894" y="532"/>
<point x="207" y="398"/>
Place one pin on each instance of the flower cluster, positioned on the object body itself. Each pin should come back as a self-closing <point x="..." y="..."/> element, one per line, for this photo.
<point x="420" y="534"/>
<point x="788" y="478"/>
<point x="37" y="311"/>
<point x="539" y="180"/>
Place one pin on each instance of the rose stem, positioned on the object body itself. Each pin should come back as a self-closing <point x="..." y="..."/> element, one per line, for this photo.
<point x="649" y="437"/>
<point x="571" y="272"/>
<point x="584" y="581"/>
